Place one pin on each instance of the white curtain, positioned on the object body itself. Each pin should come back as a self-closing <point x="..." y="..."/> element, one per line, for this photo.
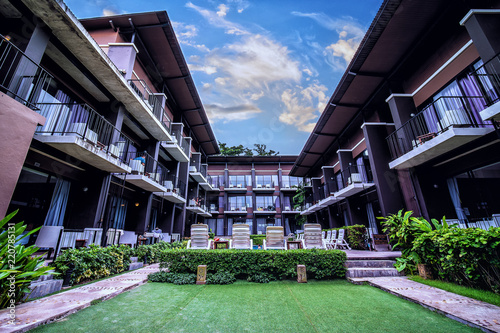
<point x="455" y="198"/>
<point x="57" y="209"/>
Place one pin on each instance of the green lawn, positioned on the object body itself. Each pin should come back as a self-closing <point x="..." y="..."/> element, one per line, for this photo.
<point x="481" y="295"/>
<point x="318" y="306"/>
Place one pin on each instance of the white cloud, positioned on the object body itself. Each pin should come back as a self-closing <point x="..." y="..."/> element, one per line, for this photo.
<point x="207" y="69"/>
<point x="223" y="9"/>
<point x="231" y="113"/>
<point x="206" y="86"/>
<point x="217" y="21"/>
<point x="186" y="34"/>
<point x="303" y="105"/>
<point x="347" y="24"/>
<point x="241" y="5"/>
<point x="255" y="62"/>
<point x="344" y="49"/>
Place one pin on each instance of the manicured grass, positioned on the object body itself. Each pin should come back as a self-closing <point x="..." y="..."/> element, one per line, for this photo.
<point x="481" y="295"/>
<point x="318" y="306"/>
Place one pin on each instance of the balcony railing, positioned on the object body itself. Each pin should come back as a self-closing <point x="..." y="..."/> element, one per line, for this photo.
<point x="20" y="77"/>
<point x="237" y="182"/>
<point x="144" y="164"/>
<point x="63" y="119"/>
<point x="173" y="184"/>
<point x="354" y="174"/>
<point x="488" y="78"/>
<point x="236" y="207"/>
<point x="151" y="100"/>
<point x="434" y="120"/>
<point x="203" y="170"/>
<point x="183" y="143"/>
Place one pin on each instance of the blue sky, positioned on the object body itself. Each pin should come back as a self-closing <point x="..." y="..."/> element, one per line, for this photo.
<point x="264" y="69"/>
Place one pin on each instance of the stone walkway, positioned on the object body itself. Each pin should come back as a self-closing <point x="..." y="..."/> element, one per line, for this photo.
<point x="48" y="309"/>
<point x="469" y="311"/>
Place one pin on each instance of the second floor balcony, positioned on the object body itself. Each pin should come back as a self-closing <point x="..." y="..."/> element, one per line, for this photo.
<point x="179" y="146"/>
<point x="175" y="190"/>
<point x="146" y="172"/>
<point x="488" y="78"/>
<point x="238" y="183"/>
<point x="79" y="131"/>
<point x="446" y="124"/>
<point x="199" y="174"/>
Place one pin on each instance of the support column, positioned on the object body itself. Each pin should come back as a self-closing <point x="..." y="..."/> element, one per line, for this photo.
<point x="385" y="179"/>
<point x="123" y="56"/>
<point x="483" y="26"/>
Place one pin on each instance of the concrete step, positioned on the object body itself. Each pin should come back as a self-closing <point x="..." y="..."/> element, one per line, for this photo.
<point x="135" y="265"/>
<point x="370" y="263"/>
<point x="46" y="277"/>
<point x="357" y="272"/>
<point x="42" y="288"/>
<point x="133" y="259"/>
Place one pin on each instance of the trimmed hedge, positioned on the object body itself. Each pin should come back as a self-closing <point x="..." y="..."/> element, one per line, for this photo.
<point x="320" y="264"/>
<point x="355" y="236"/>
<point x="152" y="251"/>
<point x="257" y="239"/>
<point x="465" y="256"/>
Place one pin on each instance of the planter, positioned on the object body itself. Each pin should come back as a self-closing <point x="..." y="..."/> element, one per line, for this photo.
<point x="424" y="271"/>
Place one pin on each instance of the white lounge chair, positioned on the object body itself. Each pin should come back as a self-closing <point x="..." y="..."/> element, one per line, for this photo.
<point x="241" y="237"/>
<point x="176" y="237"/>
<point x="48" y="237"/>
<point x="313" y="237"/>
<point x="275" y="239"/>
<point x="331" y="237"/>
<point x="340" y="241"/>
<point x="199" y="237"/>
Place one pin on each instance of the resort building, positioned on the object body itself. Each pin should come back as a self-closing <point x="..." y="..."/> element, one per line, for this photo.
<point x="101" y="122"/>
<point x="413" y="123"/>
<point x="255" y="190"/>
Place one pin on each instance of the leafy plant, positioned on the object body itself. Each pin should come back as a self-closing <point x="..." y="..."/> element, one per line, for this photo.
<point x="355" y="235"/>
<point x="175" y="278"/>
<point x="17" y="266"/>
<point x="263" y="277"/>
<point x="221" y="277"/>
<point x="298" y="201"/>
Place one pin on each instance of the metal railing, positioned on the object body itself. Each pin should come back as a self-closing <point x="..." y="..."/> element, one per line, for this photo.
<point x="176" y="133"/>
<point x="20" y="77"/>
<point x="215" y="181"/>
<point x="488" y="78"/>
<point x="145" y="93"/>
<point x="435" y="119"/>
<point x="289" y="181"/>
<point x="64" y="119"/>
<point x="239" y="206"/>
<point x="203" y="170"/>
<point x="144" y="164"/>
<point x="479" y="222"/>
<point x="352" y="175"/>
<point x="172" y="183"/>
<point x="236" y="182"/>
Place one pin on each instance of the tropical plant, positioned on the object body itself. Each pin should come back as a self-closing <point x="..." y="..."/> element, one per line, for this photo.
<point x="17" y="266"/>
<point x="298" y="202"/>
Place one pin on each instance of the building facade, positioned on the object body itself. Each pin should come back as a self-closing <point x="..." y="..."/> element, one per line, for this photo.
<point x="413" y="123"/>
<point x="116" y="126"/>
<point x="256" y="190"/>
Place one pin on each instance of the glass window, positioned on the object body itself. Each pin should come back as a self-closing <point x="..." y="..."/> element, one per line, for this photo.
<point x="267" y="203"/>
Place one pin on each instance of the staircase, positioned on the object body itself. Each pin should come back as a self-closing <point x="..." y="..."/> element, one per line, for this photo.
<point x="359" y="270"/>
<point x="134" y="264"/>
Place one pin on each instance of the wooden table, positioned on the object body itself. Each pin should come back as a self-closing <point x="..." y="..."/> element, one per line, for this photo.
<point x="218" y="245"/>
<point x="293" y="245"/>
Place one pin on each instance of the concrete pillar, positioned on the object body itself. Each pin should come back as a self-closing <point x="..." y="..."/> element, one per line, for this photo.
<point x="123" y="56"/>
<point x="17" y="126"/>
<point x="385" y="179"/>
<point x="483" y="26"/>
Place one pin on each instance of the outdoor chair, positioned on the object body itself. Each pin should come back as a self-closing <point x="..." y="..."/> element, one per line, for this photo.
<point x="48" y="237"/>
<point x="275" y="239"/>
<point x="199" y="237"/>
<point x="129" y="238"/>
<point x="331" y="236"/>
<point x="313" y="237"/>
<point x="340" y="241"/>
<point x="176" y="237"/>
<point x="241" y="237"/>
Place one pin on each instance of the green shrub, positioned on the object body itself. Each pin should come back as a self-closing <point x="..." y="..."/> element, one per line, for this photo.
<point x="94" y="262"/>
<point x="17" y="267"/>
<point x="355" y="235"/>
<point x="175" y="278"/>
<point x="152" y="251"/>
<point x="263" y="277"/>
<point x="258" y="239"/>
<point x="221" y="277"/>
<point x="469" y="257"/>
<point x="320" y="264"/>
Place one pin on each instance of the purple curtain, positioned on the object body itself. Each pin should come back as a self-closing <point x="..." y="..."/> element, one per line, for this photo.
<point x="471" y="89"/>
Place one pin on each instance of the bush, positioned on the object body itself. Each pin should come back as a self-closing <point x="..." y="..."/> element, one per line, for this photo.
<point x="221" y="277"/>
<point x="355" y="235"/>
<point x="468" y="257"/>
<point x="94" y="262"/>
<point x="17" y="267"/>
<point x="258" y="239"/>
<point x="152" y="251"/>
<point x="320" y="264"/>
<point x="175" y="278"/>
<point x="261" y="278"/>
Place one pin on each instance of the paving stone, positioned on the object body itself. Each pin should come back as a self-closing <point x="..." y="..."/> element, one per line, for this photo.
<point x="48" y="309"/>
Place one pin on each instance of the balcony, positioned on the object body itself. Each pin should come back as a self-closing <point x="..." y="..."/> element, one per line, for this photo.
<point x="355" y="179"/>
<point x="200" y="175"/>
<point x="156" y="119"/>
<point x="214" y="209"/>
<point x="146" y="172"/>
<point x="79" y="131"/>
<point x="236" y="209"/>
<point x="290" y="184"/>
<point x="266" y="187"/>
<point x="489" y="82"/>
<point x="236" y="184"/>
<point x="444" y="125"/>
<point x="263" y="209"/>
<point x="20" y="77"/>
<point x="208" y="185"/>
<point x="175" y="190"/>
<point x="179" y="146"/>
<point x="197" y="206"/>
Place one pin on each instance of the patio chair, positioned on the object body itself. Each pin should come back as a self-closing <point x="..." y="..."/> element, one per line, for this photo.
<point x="275" y="239"/>
<point x="331" y="236"/>
<point x="340" y="241"/>
<point x="241" y="237"/>
<point x="199" y="237"/>
<point x="313" y="237"/>
<point x="48" y="237"/>
<point x="176" y="237"/>
<point x="129" y="238"/>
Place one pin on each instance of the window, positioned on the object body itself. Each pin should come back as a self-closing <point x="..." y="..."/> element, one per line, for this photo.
<point x="266" y="203"/>
<point x="238" y="203"/>
<point x="238" y="181"/>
